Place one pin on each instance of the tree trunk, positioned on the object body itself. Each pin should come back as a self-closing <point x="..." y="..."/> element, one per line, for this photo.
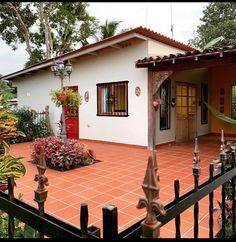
<point x="25" y="31"/>
<point x="49" y="29"/>
<point x="43" y="22"/>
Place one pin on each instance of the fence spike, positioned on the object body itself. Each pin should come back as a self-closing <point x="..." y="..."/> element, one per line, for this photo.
<point x="177" y="219"/>
<point x="222" y="139"/>
<point x="84" y="220"/>
<point x="154" y="157"/>
<point x="196" y="174"/>
<point x="151" y="226"/>
<point x="222" y="148"/>
<point x="11" y="224"/>
<point x="196" y="158"/>
<point x="211" y="204"/>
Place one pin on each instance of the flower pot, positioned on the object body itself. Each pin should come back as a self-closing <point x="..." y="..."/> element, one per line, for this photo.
<point x="156" y="104"/>
<point x="3" y="187"/>
<point x="61" y="97"/>
<point x="91" y="154"/>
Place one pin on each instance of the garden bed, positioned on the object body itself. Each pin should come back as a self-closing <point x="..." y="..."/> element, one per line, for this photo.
<point x="71" y="168"/>
<point x="62" y="156"/>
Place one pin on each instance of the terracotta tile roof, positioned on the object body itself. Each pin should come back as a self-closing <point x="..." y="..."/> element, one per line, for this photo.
<point x="172" y="58"/>
<point x="159" y="37"/>
<point x="139" y="30"/>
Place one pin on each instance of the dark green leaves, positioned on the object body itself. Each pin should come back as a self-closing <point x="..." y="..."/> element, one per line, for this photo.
<point x="219" y="19"/>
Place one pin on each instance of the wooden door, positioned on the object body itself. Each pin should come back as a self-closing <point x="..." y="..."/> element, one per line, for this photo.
<point x="186" y="111"/>
<point x="72" y="119"/>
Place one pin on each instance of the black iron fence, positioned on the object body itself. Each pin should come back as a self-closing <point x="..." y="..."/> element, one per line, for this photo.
<point x="180" y="204"/>
<point x="157" y="215"/>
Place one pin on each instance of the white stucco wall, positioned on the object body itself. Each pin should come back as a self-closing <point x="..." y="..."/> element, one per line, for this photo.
<point x="158" y="48"/>
<point x="196" y="76"/>
<point x="33" y="91"/>
<point x="111" y="65"/>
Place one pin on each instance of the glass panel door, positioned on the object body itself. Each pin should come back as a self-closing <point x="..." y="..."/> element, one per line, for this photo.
<point x="186" y="111"/>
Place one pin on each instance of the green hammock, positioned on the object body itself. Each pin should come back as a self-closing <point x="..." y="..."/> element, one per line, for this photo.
<point x="220" y="115"/>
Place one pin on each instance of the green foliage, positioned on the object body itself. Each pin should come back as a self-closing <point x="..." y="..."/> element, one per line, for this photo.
<point x="213" y="42"/>
<point x="218" y="20"/>
<point x="60" y="27"/>
<point x="21" y="230"/>
<point x="228" y="184"/>
<point x="86" y="162"/>
<point x="10" y="26"/>
<point x="109" y="28"/>
<point x="71" y="24"/>
<point x="36" y="56"/>
<point x="6" y="92"/>
<point x="73" y="99"/>
<point x="8" y="129"/>
<point x="11" y="166"/>
<point x="31" y="128"/>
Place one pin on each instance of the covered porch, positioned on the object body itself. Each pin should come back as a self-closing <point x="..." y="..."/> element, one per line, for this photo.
<point x="179" y="84"/>
<point x="117" y="180"/>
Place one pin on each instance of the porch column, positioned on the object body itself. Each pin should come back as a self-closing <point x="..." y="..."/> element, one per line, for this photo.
<point x="155" y="79"/>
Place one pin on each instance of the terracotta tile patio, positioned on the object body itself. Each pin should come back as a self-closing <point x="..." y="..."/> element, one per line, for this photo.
<point x="117" y="180"/>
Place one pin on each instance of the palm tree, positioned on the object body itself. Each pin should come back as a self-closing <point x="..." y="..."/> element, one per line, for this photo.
<point x="108" y="29"/>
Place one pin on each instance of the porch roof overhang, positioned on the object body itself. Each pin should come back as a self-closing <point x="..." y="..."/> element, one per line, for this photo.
<point x="190" y="59"/>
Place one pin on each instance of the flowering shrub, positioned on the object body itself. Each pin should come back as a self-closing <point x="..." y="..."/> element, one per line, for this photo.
<point x="59" y="155"/>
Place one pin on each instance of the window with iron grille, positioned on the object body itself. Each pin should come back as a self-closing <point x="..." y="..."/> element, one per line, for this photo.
<point x="233" y="101"/>
<point x="165" y="104"/>
<point x="112" y="99"/>
<point x="204" y="97"/>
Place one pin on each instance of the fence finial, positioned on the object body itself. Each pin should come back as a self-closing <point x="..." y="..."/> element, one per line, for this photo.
<point x="151" y="226"/>
<point x="40" y="177"/>
<point x="154" y="158"/>
<point x="222" y="147"/>
<point x="40" y="195"/>
<point x="196" y="159"/>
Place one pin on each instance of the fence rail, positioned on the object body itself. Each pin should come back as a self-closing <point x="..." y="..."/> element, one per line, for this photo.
<point x="37" y="219"/>
<point x="176" y="207"/>
<point x="55" y="228"/>
<point x="42" y="118"/>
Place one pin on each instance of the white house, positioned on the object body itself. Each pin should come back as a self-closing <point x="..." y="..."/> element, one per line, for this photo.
<point x="117" y="91"/>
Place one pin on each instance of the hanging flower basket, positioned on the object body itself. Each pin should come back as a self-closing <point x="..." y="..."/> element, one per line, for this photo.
<point x="61" y="97"/>
<point x="65" y="97"/>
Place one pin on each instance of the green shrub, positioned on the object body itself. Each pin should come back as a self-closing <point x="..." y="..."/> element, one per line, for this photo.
<point x="27" y="124"/>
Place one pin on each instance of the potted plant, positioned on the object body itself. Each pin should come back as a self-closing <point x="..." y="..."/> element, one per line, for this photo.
<point x="65" y="97"/>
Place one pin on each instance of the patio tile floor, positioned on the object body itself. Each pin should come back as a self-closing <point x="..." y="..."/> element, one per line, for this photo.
<point x="117" y="180"/>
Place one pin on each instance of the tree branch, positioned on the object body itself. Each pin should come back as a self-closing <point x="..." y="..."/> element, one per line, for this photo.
<point x="25" y="30"/>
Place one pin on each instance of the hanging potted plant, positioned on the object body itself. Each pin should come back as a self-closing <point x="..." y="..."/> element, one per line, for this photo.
<point x="65" y="97"/>
<point x="61" y="96"/>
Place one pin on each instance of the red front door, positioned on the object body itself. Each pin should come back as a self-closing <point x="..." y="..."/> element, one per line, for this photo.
<point x="72" y="119"/>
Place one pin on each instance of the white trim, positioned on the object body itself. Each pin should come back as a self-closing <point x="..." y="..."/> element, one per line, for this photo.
<point x="77" y="54"/>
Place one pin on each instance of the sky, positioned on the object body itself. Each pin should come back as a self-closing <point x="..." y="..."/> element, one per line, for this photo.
<point x="156" y="16"/>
